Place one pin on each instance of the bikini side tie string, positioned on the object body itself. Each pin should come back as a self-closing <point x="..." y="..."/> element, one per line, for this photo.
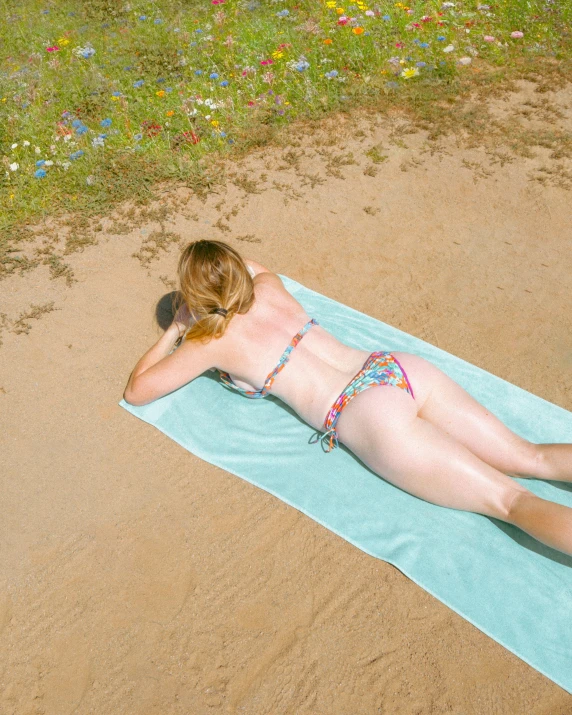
<point x="320" y="437"/>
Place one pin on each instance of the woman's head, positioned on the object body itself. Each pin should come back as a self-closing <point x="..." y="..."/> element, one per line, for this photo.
<point x="213" y="275"/>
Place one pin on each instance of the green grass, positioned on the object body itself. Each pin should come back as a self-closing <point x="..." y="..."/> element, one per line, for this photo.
<point x="113" y="104"/>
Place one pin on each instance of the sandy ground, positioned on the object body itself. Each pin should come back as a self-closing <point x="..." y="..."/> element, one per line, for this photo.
<point x="136" y="578"/>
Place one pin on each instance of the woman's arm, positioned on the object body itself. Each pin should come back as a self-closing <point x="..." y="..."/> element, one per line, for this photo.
<point x="160" y="350"/>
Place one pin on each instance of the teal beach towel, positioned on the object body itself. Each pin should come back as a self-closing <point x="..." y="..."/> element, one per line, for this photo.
<point x="504" y="582"/>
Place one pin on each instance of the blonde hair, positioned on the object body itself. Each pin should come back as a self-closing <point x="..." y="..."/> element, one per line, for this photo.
<point x="213" y="275"/>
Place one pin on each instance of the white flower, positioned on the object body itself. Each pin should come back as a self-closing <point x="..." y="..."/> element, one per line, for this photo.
<point x="208" y="116"/>
<point x="14" y="146"/>
<point x="25" y="143"/>
<point x="97" y="141"/>
<point x="37" y="150"/>
<point x="89" y="180"/>
<point x="449" y="48"/>
<point x="66" y="165"/>
<point x="49" y="162"/>
<point x="14" y="166"/>
<point x="67" y="137"/>
<point x="465" y="61"/>
<point x="448" y="4"/>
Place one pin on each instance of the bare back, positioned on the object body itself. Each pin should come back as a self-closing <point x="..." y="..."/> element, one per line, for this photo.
<point x="319" y="367"/>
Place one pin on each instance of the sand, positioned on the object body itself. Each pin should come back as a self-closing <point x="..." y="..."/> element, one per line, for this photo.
<point x="136" y="578"/>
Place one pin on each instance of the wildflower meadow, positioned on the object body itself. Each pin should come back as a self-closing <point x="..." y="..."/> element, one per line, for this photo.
<point x="100" y="98"/>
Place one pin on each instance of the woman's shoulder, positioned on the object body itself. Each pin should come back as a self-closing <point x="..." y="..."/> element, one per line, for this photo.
<point x="255" y="268"/>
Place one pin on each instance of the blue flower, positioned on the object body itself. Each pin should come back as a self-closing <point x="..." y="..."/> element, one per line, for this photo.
<point x="142" y="17"/>
<point x="331" y="74"/>
<point x="160" y="80"/>
<point x="116" y="94"/>
<point x="198" y="29"/>
<point x="213" y="75"/>
<point x="40" y="173"/>
<point x="87" y="52"/>
<point x="179" y="52"/>
<point x="224" y="83"/>
<point x="41" y="162"/>
<point x="81" y="130"/>
<point x="45" y="12"/>
<point x="416" y="40"/>
<point x="76" y="154"/>
<point x="103" y="136"/>
<point x="283" y="13"/>
<point x="168" y="89"/>
<point x="158" y="21"/>
<point x="223" y="134"/>
<point x="138" y="83"/>
<point x="386" y="18"/>
<point x="230" y="141"/>
<point x="138" y="137"/>
<point x="198" y="71"/>
<point x="129" y="67"/>
<point x="441" y="38"/>
<point x="76" y="123"/>
<point x="302" y="65"/>
<point x="421" y="64"/>
<point x="105" y="123"/>
<point x="424" y="44"/>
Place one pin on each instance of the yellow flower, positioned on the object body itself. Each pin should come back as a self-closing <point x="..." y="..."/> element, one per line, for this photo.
<point x="340" y="10"/>
<point x="277" y="55"/>
<point x="160" y="93"/>
<point x="4" y="99"/>
<point x="114" y="99"/>
<point x="63" y="41"/>
<point x="214" y="122"/>
<point x="331" y="4"/>
<point x="409" y="72"/>
<point x="170" y="113"/>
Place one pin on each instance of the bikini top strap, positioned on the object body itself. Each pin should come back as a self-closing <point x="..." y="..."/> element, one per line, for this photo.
<point x="286" y="355"/>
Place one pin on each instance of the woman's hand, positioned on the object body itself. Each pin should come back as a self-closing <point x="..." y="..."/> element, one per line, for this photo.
<point x="183" y="319"/>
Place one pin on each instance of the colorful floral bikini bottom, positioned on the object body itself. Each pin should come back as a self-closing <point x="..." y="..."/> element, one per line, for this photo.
<point x="381" y="368"/>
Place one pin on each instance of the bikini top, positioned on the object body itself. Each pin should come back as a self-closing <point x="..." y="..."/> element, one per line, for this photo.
<point x="227" y="380"/>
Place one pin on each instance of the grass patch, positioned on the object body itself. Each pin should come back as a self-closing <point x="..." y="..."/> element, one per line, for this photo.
<point x="104" y="102"/>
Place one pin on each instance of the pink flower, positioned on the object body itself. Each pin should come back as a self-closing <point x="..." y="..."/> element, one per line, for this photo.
<point x="399" y="45"/>
<point x="217" y="2"/>
<point x="517" y="34"/>
<point x="343" y="20"/>
<point x="488" y="38"/>
<point x="269" y="61"/>
<point x="55" y="48"/>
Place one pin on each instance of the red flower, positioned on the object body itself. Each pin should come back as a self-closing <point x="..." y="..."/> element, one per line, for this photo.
<point x="151" y="128"/>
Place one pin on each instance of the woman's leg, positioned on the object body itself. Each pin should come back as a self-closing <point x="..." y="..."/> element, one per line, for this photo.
<point x="448" y="406"/>
<point x="380" y="425"/>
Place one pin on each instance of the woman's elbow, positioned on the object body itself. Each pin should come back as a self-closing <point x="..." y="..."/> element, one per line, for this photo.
<point x="133" y="399"/>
